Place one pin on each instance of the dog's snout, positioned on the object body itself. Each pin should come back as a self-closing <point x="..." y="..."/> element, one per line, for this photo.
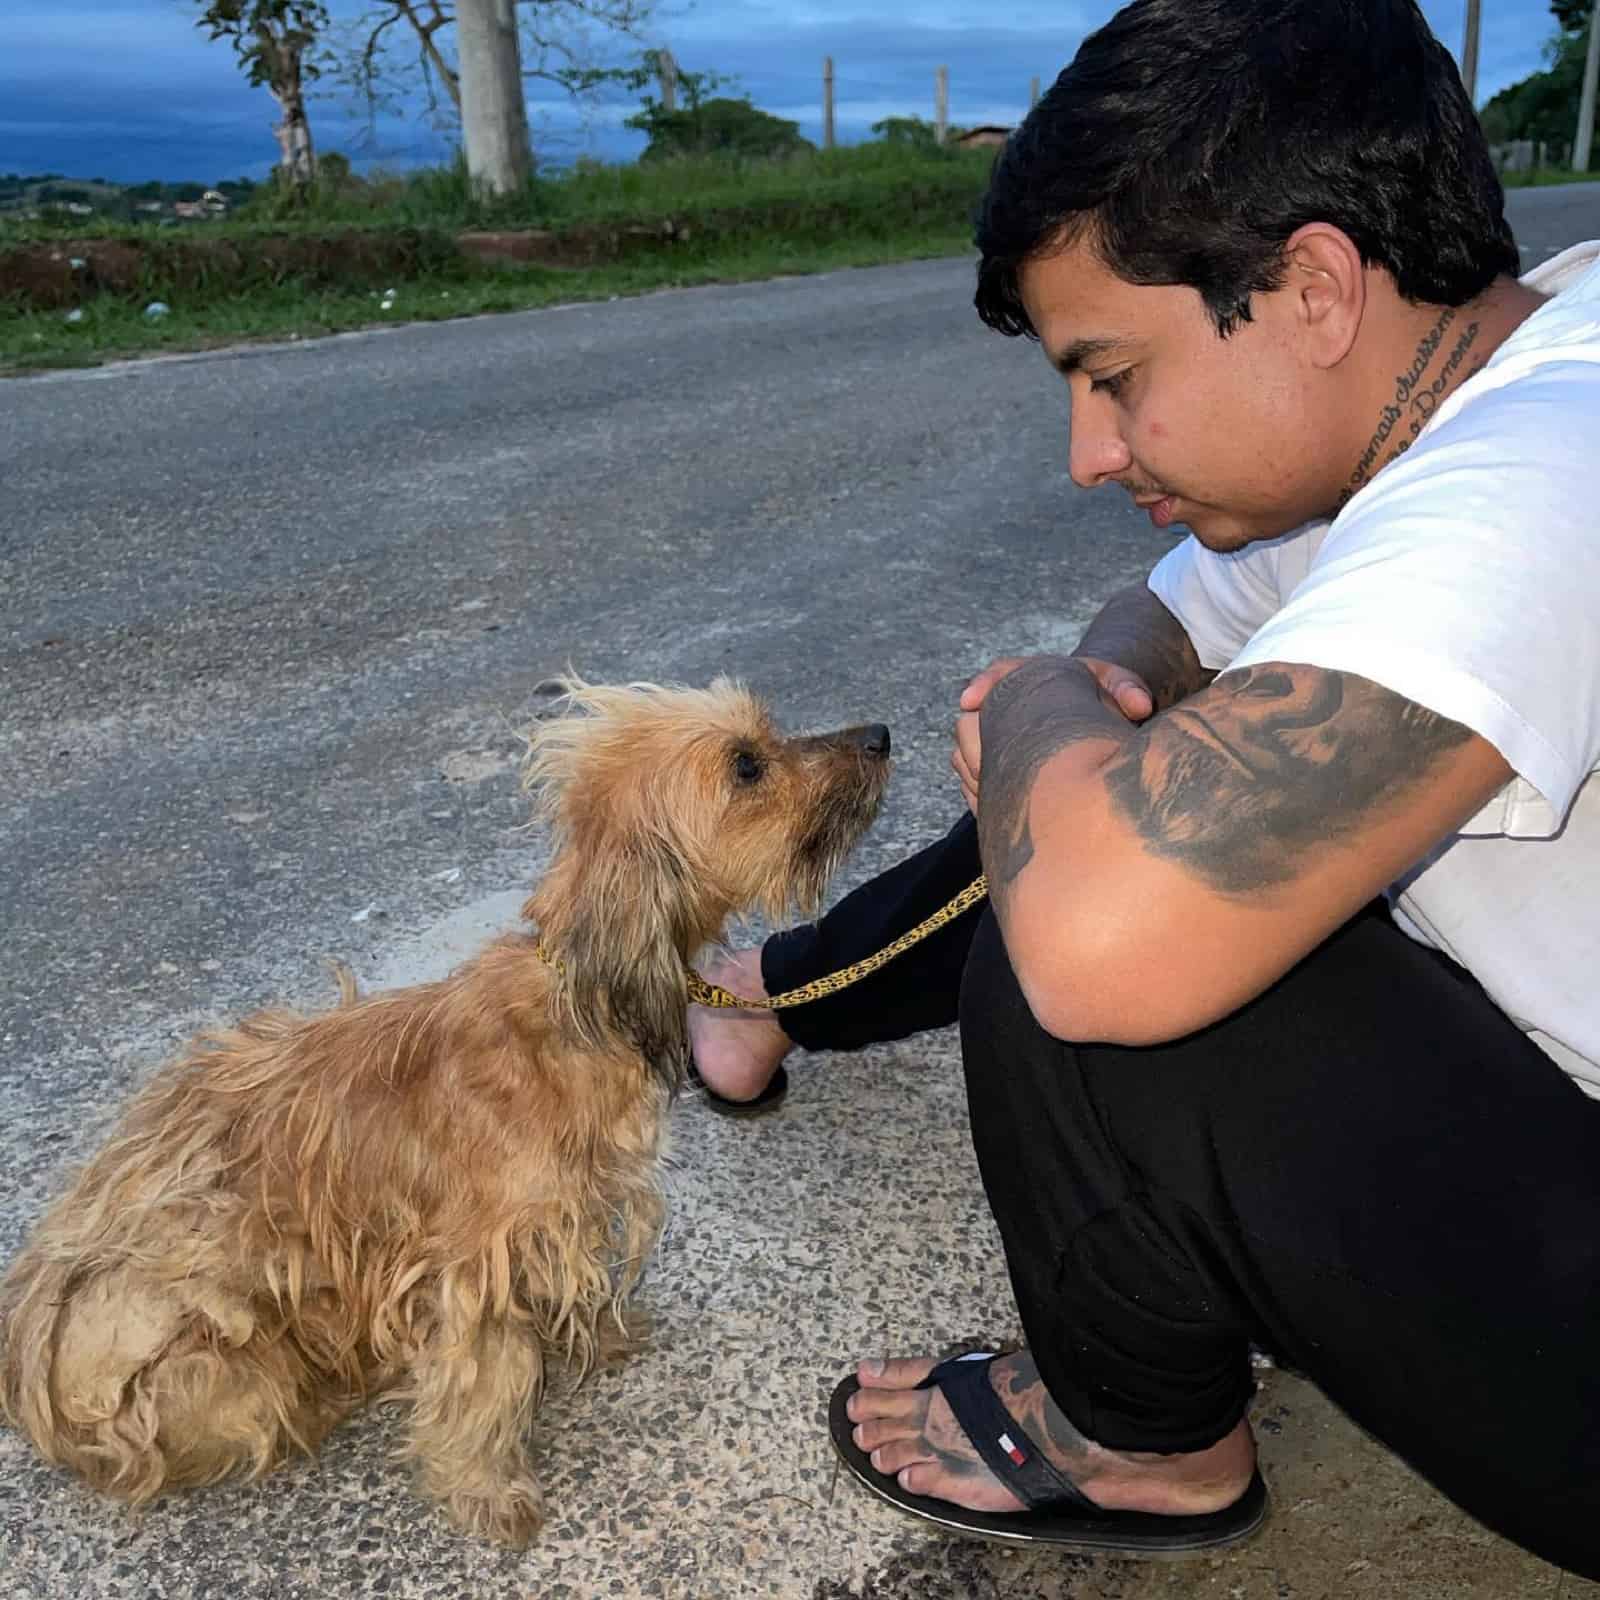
<point x="873" y="739"/>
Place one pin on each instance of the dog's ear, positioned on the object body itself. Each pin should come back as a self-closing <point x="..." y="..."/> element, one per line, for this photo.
<point x="618" y="921"/>
<point x="616" y="905"/>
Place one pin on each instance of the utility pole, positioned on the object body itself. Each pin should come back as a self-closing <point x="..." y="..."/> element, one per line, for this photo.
<point x="494" y="114"/>
<point x="1033" y="93"/>
<point x="941" y="103"/>
<point x="827" y="102"/>
<point x="1469" y="53"/>
<point x="1584" y="142"/>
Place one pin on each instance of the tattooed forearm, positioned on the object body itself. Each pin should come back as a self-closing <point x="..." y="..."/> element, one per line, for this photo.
<point x="1135" y="630"/>
<point x="1240" y="782"/>
<point x="1029" y="716"/>
<point x="1415" y="401"/>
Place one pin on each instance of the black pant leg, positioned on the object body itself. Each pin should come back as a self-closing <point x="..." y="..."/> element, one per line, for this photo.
<point x="916" y="991"/>
<point x="1369" y="1169"/>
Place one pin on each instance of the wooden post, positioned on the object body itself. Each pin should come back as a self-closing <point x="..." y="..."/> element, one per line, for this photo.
<point x="1469" y="53"/>
<point x="1033" y="94"/>
<point x="667" y="71"/>
<point x="941" y="103"/>
<point x="827" y="102"/>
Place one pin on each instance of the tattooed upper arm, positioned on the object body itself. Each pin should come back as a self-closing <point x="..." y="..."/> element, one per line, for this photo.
<point x="1215" y="844"/>
<point x="1244" y="783"/>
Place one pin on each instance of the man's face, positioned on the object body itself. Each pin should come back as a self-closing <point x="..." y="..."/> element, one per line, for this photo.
<point x="1221" y="435"/>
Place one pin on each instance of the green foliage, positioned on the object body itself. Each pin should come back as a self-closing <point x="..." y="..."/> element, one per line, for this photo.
<point x="911" y="133"/>
<point x="706" y="124"/>
<point x="718" y="127"/>
<point x="1572" y="15"/>
<point x="262" y="31"/>
<point x="1545" y="104"/>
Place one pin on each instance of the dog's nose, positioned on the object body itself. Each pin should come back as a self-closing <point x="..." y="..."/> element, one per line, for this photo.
<point x="874" y="739"/>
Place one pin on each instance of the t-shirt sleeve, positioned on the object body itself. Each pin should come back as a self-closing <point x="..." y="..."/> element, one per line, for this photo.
<point x="1466" y="577"/>
<point x="1221" y="600"/>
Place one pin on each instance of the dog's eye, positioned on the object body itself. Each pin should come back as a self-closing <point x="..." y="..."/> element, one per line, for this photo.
<point x="747" y="767"/>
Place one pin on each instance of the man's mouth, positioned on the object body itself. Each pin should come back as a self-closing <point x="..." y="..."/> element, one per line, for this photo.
<point x="1161" y="507"/>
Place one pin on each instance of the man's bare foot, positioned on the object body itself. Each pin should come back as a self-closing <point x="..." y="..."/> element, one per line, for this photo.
<point x="912" y="1435"/>
<point x="736" y="1052"/>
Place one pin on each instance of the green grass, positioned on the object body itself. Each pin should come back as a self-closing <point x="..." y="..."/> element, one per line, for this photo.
<point x="1546" y="178"/>
<point x="113" y="329"/>
<point x="865" y="205"/>
<point x="858" y="176"/>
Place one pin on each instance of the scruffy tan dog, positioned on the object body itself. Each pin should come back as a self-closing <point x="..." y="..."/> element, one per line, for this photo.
<point x="435" y="1191"/>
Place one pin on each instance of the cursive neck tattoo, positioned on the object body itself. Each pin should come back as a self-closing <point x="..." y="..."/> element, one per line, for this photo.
<point x="1417" y="394"/>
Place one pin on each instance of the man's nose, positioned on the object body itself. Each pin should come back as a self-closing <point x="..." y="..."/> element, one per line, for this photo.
<point x="1095" y="451"/>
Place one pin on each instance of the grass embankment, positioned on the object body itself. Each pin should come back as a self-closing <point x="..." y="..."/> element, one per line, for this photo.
<point x="602" y="232"/>
<point x="1546" y="178"/>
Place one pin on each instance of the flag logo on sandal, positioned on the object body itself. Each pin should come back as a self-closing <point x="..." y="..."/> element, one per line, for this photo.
<point x="1008" y="1444"/>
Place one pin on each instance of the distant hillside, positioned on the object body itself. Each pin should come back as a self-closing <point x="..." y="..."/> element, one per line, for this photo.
<point x="30" y="196"/>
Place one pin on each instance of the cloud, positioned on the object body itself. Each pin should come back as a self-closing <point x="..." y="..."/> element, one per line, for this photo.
<point x="131" y="89"/>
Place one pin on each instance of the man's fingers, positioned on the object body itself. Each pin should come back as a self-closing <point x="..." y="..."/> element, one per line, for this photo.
<point x="1133" y="699"/>
<point x="972" y="697"/>
<point x="1127" y="690"/>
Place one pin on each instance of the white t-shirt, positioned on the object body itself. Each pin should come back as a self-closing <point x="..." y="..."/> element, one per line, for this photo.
<point x="1466" y="577"/>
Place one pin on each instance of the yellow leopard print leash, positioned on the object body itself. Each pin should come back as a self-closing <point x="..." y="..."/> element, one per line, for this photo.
<point x="711" y="994"/>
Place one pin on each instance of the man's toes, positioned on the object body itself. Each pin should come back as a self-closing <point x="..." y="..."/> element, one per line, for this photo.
<point x="922" y="1477"/>
<point x="880" y="1431"/>
<point x="900" y="1453"/>
<point x="895" y="1373"/>
<point x="908" y="1406"/>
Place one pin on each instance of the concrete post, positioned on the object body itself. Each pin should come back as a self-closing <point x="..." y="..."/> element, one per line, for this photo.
<point x="1583" y="144"/>
<point x="941" y="103"/>
<point x="827" y="102"/>
<point x="667" y="72"/>
<point x="1469" y="53"/>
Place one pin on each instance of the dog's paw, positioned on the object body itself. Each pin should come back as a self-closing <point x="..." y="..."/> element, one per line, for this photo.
<point x="508" y="1510"/>
<point x="618" y="1340"/>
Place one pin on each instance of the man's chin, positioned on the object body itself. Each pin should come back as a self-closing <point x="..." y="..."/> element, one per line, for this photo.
<point x="1222" y="533"/>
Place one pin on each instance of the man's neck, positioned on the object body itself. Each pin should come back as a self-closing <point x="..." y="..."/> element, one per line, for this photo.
<point x="1437" y="348"/>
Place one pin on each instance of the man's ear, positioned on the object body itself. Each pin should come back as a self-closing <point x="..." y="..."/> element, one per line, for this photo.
<point x="1326" y="286"/>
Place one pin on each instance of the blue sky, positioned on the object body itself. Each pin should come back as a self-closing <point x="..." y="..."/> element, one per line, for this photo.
<point x="129" y="89"/>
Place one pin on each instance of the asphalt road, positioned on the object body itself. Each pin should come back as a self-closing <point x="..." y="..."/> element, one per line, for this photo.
<point x="270" y="620"/>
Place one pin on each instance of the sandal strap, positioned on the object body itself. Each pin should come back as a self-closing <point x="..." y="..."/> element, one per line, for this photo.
<point x="996" y="1435"/>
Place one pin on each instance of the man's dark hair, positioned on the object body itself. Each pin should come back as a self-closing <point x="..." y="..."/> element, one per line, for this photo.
<point x="1189" y="139"/>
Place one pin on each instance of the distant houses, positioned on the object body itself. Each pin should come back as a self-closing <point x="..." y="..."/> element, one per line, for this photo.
<point x="25" y="199"/>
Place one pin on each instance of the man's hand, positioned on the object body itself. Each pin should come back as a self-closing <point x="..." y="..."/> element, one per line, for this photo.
<point x="1126" y="689"/>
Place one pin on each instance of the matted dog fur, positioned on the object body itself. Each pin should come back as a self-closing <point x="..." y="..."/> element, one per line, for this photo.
<point x="433" y="1192"/>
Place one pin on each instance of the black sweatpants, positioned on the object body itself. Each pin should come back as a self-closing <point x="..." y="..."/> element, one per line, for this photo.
<point x="1368" y="1171"/>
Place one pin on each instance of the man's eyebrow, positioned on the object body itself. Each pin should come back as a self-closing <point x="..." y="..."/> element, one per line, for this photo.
<point x="1083" y="350"/>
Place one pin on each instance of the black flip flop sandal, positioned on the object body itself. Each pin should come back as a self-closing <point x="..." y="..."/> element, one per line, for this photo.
<point x="764" y="1103"/>
<point x="1057" y="1515"/>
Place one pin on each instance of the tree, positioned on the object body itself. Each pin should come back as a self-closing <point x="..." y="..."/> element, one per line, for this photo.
<point x="909" y="133"/>
<point x="494" y="105"/>
<point x="396" y="43"/>
<point x="706" y="124"/>
<point x="720" y="127"/>
<point x="272" y="39"/>
<point x="1544" y="105"/>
